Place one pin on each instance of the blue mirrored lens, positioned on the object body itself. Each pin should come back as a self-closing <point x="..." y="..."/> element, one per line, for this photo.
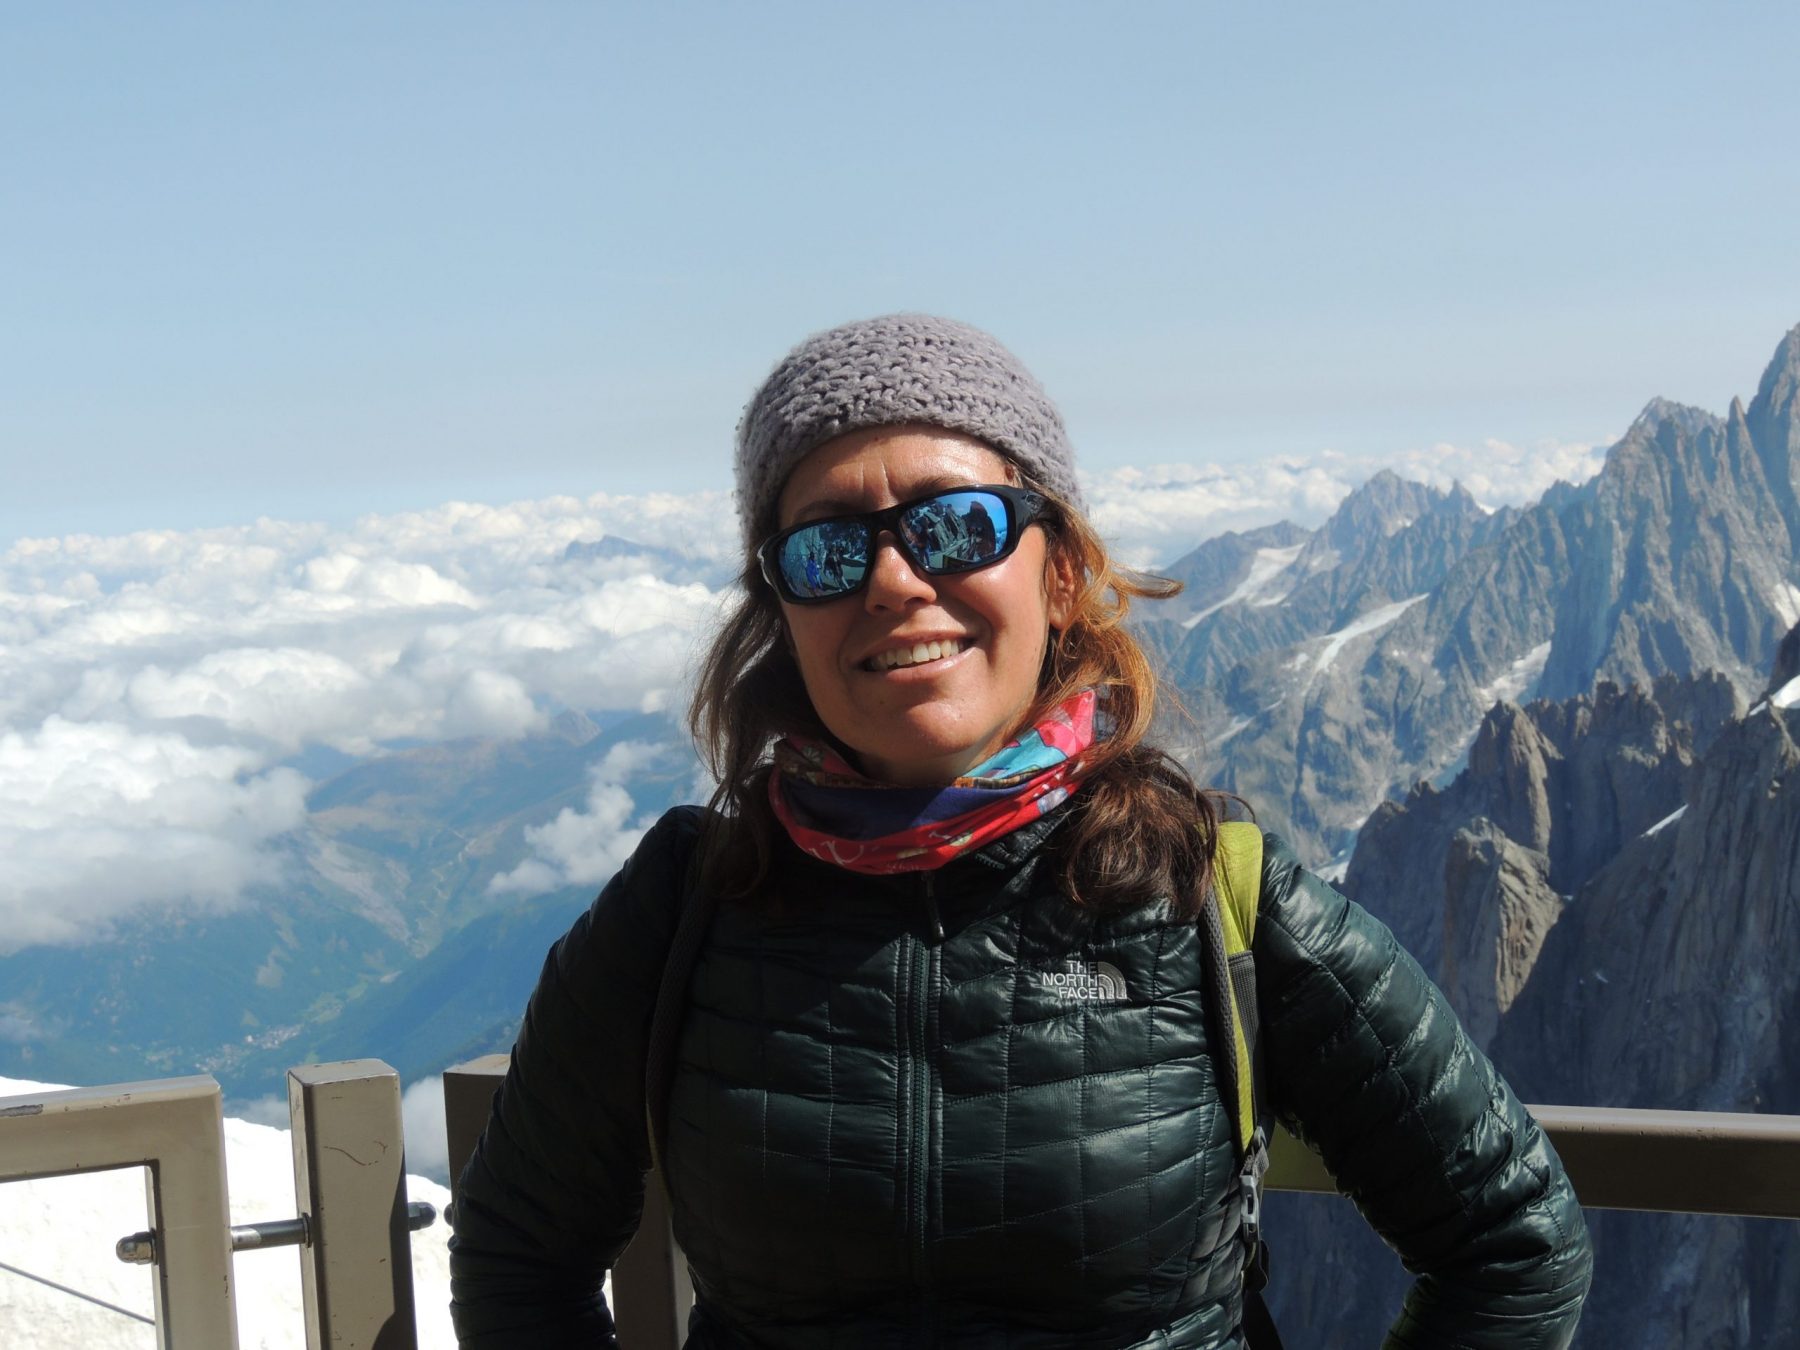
<point x="951" y="532"/>
<point x="829" y="558"/>
<point x="957" y="530"/>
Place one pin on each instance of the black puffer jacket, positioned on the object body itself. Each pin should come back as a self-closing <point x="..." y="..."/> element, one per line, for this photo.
<point x="1003" y="1133"/>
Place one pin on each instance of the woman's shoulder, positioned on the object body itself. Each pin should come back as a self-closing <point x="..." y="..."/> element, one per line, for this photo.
<point x="1306" y="908"/>
<point x="642" y="903"/>
<point x="663" y="852"/>
<point x="677" y="830"/>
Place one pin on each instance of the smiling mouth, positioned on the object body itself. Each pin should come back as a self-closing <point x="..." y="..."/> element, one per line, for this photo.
<point x="920" y="652"/>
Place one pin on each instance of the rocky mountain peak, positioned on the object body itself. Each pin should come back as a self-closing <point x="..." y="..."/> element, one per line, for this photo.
<point x="1551" y="791"/>
<point x="1462" y="500"/>
<point x="1781" y="379"/>
<point x="1774" y="425"/>
<point x="1378" y="509"/>
<point x="1687" y="419"/>
<point x="577" y="728"/>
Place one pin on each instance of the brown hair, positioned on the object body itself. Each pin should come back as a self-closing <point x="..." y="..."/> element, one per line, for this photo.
<point x="1140" y="827"/>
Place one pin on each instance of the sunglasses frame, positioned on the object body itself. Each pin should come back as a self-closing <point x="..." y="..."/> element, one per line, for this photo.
<point x="1024" y="507"/>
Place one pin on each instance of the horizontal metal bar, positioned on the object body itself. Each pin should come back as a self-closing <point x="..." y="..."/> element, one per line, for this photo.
<point x="1681" y="1162"/>
<point x="249" y="1237"/>
<point x="139" y="1249"/>
<point x="1687" y="1162"/>
<point x="298" y="1232"/>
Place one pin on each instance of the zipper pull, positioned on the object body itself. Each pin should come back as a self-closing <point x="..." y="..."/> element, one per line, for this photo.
<point x="932" y="918"/>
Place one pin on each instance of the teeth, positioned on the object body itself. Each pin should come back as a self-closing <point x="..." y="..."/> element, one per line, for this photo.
<point x="914" y="655"/>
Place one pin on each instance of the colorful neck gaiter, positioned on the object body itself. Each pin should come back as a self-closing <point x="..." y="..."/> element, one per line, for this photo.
<point x="835" y="813"/>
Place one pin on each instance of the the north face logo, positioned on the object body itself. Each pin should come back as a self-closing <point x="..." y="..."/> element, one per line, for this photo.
<point x="1086" y="982"/>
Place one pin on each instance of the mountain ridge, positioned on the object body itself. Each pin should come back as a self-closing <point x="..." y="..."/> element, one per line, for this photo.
<point x="1676" y="558"/>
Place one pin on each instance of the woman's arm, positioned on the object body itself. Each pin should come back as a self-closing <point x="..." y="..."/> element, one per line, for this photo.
<point x="556" y="1185"/>
<point x="1368" y="1064"/>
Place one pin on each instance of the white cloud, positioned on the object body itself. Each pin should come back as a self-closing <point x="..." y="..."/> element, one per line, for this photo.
<point x="1497" y="473"/>
<point x="427" y="1137"/>
<point x="1154" y="515"/>
<point x="97" y="818"/>
<point x="151" y="684"/>
<point x="585" y="847"/>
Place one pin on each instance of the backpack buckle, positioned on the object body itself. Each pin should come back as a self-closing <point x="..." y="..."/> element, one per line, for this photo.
<point x="1250" y="1180"/>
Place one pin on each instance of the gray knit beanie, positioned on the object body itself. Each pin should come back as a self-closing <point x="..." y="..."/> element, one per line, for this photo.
<point x="896" y="369"/>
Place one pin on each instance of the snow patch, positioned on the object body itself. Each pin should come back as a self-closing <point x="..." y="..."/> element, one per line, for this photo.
<point x="1237" y="725"/>
<point x="1666" y="821"/>
<point x="1373" y="621"/>
<point x="1786" y="604"/>
<point x="1266" y="566"/>
<point x="1521" y="676"/>
<point x="1788" y="695"/>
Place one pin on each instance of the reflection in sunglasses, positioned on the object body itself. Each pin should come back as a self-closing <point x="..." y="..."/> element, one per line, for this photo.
<point x="942" y="534"/>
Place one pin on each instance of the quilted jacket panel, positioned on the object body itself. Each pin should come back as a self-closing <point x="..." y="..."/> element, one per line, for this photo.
<point x="1007" y="1134"/>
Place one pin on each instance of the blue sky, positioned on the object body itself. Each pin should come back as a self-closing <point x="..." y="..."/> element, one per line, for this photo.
<point x="311" y="261"/>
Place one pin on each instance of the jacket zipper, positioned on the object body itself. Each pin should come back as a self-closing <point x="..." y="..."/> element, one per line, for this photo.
<point x="923" y="968"/>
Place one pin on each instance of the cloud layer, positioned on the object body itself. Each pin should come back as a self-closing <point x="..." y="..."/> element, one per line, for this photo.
<point x="1153" y="515"/>
<point x="152" y="685"/>
<point x="585" y="847"/>
<point x="156" y="688"/>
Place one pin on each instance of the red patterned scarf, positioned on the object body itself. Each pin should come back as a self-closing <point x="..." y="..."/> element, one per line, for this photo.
<point x="834" y="812"/>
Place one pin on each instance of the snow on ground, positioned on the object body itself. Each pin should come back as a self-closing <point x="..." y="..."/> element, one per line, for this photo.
<point x="1254" y="589"/>
<point x="1666" y="821"/>
<point x="1520" y="677"/>
<point x="1788" y="695"/>
<point x="64" y="1228"/>
<point x="1786" y="601"/>
<point x="1373" y="621"/>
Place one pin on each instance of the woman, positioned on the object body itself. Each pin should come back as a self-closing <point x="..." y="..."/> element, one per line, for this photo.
<point x="944" y="1072"/>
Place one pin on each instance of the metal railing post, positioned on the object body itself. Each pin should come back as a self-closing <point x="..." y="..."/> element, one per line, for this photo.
<point x="174" y="1129"/>
<point x="356" y="1276"/>
<point x="468" y="1096"/>
<point x="651" y="1288"/>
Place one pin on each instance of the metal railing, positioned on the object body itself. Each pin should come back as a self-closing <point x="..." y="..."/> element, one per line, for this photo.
<point x="1674" y="1162"/>
<point x="1686" y="1162"/>
<point x="354" y="1224"/>
<point x="175" y="1131"/>
<point x="354" y="1221"/>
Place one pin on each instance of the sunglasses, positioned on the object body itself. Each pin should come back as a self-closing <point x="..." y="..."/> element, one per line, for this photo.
<point x="958" y="530"/>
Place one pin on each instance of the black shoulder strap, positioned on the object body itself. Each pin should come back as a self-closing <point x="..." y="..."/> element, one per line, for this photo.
<point x="671" y="1002"/>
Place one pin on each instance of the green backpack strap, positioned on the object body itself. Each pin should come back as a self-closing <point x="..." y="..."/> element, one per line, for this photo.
<point x="1237" y="882"/>
<point x="1229" y="930"/>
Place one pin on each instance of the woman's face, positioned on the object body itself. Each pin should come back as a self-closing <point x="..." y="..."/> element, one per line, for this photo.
<point x="925" y="722"/>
